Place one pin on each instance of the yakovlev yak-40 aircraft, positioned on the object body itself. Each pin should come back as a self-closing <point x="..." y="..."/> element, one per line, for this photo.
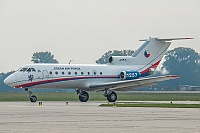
<point x="122" y="73"/>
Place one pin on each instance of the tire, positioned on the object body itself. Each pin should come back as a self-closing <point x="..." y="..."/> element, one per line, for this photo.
<point x="84" y="96"/>
<point x="112" y="97"/>
<point x="33" y="98"/>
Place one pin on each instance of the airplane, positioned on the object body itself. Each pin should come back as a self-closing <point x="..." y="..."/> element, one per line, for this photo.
<point x="122" y="73"/>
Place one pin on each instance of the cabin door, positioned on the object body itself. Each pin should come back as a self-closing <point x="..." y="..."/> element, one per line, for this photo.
<point x="45" y="75"/>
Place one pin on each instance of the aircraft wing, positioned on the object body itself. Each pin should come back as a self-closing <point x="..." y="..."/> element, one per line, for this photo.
<point x="127" y="85"/>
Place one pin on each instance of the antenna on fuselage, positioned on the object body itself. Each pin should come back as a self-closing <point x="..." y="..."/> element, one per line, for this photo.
<point x="70" y="61"/>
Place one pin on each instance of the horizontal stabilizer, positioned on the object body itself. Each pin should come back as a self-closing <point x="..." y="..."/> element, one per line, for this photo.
<point x="168" y="39"/>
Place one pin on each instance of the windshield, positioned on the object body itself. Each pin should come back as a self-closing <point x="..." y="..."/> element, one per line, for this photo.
<point x="23" y="69"/>
<point x="27" y="69"/>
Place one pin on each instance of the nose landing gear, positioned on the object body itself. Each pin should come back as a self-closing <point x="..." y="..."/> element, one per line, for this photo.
<point x="32" y="98"/>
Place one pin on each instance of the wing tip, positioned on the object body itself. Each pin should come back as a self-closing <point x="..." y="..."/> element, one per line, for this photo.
<point x="172" y="76"/>
<point x="188" y="38"/>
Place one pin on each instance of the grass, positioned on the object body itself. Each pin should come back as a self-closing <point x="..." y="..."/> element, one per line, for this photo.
<point x="152" y="96"/>
<point x="133" y="96"/>
<point x="163" y="105"/>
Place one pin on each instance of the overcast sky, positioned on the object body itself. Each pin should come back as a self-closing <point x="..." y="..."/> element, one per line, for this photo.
<point x="83" y="30"/>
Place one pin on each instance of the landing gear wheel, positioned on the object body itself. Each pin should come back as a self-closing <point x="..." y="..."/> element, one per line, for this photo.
<point x="83" y="97"/>
<point x="112" y="97"/>
<point x="33" y="98"/>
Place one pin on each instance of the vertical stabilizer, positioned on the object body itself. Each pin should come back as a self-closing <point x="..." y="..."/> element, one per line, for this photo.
<point x="151" y="52"/>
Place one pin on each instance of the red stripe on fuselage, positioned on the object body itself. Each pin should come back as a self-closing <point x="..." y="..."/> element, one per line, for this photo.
<point x="153" y="66"/>
<point x="60" y="79"/>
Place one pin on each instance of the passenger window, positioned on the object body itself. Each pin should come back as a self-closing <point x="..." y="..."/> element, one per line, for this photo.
<point x="75" y="73"/>
<point x="94" y="73"/>
<point x="82" y="73"/>
<point x="101" y="73"/>
<point x="63" y="73"/>
<point x="88" y="73"/>
<point x="50" y="72"/>
<point x="56" y="72"/>
<point x="69" y="73"/>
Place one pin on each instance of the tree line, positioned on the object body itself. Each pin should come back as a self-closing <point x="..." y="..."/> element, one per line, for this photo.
<point x="181" y="61"/>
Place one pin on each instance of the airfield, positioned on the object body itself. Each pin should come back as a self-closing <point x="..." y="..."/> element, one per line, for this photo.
<point x="76" y="117"/>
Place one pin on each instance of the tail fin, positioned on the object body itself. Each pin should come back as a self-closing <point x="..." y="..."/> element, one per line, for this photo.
<point x="151" y="52"/>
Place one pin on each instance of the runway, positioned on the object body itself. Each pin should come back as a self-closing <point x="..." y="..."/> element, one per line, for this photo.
<point x="76" y="117"/>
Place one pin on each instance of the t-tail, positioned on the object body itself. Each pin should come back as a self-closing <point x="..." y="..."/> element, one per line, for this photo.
<point x="148" y="56"/>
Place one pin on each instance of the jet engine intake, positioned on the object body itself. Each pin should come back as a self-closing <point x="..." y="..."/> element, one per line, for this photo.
<point x="128" y="75"/>
<point x="121" y="60"/>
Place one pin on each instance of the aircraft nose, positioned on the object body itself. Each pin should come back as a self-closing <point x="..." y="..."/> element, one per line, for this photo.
<point x="9" y="80"/>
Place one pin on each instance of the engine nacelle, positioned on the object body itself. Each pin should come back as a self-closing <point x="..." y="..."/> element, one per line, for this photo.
<point x="128" y="75"/>
<point x="121" y="60"/>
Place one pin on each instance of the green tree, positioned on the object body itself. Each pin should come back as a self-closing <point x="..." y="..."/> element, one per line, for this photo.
<point x="184" y="62"/>
<point x="43" y="57"/>
<point x="104" y="58"/>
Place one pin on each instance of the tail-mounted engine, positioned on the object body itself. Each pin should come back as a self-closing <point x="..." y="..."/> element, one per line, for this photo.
<point x="128" y="75"/>
<point x="121" y="60"/>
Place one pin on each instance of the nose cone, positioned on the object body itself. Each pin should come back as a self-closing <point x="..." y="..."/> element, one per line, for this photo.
<point x="10" y="80"/>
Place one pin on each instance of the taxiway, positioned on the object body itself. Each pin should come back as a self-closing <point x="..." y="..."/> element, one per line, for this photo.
<point x="76" y="117"/>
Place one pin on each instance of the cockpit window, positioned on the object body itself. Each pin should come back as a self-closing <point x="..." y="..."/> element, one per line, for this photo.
<point x="33" y="70"/>
<point x="19" y="69"/>
<point x="23" y="69"/>
<point x="27" y="70"/>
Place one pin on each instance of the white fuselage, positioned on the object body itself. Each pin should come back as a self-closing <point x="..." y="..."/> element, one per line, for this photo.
<point x="67" y="75"/>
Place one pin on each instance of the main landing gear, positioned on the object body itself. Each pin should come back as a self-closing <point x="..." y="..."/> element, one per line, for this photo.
<point x="83" y="95"/>
<point x="32" y="98"/>
<point x="111" y="96"/>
